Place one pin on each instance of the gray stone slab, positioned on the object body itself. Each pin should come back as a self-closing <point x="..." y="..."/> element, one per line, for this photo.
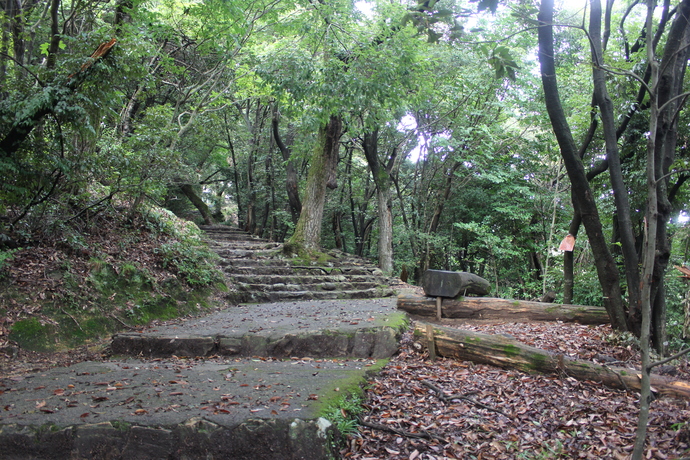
<point x="166" y="408"/>
<point x="332" y="328"/>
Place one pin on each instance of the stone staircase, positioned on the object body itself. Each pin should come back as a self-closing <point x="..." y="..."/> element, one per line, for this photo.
<point x="258" y="272"/>
<point x="249" y="381"/>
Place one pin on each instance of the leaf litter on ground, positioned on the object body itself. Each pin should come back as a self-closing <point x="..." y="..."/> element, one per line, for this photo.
<point x="492" y="413"/>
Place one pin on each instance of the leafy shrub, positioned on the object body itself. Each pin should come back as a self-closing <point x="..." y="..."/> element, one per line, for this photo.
<point x="194" y="263"/>
<point x="344" y="413"/>
<point x="186" y="252"/>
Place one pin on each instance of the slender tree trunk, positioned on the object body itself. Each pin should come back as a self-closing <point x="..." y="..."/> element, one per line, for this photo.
<point x="670" y="86"/>
<point x="336" y="225"/>
<point x="235" y="172"/>
<point x="569" y="262"/>
<point x="196" y="200"/>
<point x="385" y="205"/>
<point x="620" y="190"/>
<point x="54" y="43"/>
<point x="648" y="255"/>
<point x="581" y="192"/>
<point x="307" y="235"/>
<point x="384" y="199"/>
<point x="291" y="180"/>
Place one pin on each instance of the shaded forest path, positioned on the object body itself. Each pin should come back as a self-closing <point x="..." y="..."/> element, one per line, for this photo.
<point x="250" y="381"/>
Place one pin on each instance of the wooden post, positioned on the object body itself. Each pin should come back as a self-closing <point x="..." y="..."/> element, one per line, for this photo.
<point x="439" y="301"/>
<point x="430" y="343"/>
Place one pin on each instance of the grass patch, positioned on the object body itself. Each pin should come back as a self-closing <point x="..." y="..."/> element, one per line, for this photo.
<point x="31" y="334"/>
<point x="344" y="412"/>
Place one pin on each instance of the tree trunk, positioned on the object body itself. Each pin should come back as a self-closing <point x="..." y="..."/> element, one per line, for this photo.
<point x="582" y="195"/>
<point x="198" y="203"/>
<point x="488" y="308"/>
<point x="384" y="199"/>
<point x="671" y="78"/>
<point x="291" y="179"/>
<point x="620" y="190"/>
<point x="507" y="353"/>
<point x="307" y="235"/>
<point x="235" y="172"/>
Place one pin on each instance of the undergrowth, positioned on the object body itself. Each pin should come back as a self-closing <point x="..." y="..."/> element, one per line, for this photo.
<point x="90" y="279"/>
<point x="344" y="412"/>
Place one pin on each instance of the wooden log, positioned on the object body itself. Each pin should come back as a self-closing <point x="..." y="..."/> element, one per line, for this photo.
<point x="503" y="352"/>
<point x="502" y="309"/>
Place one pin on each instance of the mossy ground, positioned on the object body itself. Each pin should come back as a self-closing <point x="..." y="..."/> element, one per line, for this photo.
<point x="301" y="256"/>
<point x="93" y="282"/>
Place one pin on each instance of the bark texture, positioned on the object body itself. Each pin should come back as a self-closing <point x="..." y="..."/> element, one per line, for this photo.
<point x="620" y="190"/>
<point x="384" y="198"/>
<point x="501" y="309"/>
<point x="582" y="196"/>
<point x="321" y="174"/>
<point x="508" y="353"/>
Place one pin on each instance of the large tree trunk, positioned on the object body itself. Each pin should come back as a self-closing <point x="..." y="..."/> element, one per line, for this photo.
<point x="582" y="196"/>
<point x="503" y="352"/>
<point x="489" y="308"/>
<point x="307" y="235"/>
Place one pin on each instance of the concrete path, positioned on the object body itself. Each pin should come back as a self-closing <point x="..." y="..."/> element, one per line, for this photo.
<point x="240" y="402"/>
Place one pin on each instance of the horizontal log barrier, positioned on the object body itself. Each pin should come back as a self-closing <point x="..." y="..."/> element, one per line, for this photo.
<point x="502" y="309"/>
<point x="503" y="352"/>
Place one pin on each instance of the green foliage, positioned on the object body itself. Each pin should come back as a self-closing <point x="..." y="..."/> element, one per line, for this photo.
<point x="344" y="413"/>
<point x="677" y="296"/>
<point x="501" y="60"/>
<point x="194" y="264"/>
<point x="187" y="253"/>
<point x="586" y="290"/>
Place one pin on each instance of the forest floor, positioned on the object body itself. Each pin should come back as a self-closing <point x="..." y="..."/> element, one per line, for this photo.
<point x="498" y="414"/>
<point x="506" y="414"/>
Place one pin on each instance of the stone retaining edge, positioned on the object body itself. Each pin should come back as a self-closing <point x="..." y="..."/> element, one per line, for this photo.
<point x="377" y="343"/>
<point x="196" y="438"/>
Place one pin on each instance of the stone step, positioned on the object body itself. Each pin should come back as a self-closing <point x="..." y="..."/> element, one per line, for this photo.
<point x="244" y="253"/>
<point x="216" y="245"/>
<point x="288" y="296"/>
<point x="300" y="271"/>
<point x="315" y="287"/>
<point x="232" y="237"/>
<point x="309" y="278"/>
<point x="366" y="328"/>
<point x="223" y="230"/>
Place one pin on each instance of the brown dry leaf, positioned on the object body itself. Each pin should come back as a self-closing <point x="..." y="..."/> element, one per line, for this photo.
<point x="551" y="416"/>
